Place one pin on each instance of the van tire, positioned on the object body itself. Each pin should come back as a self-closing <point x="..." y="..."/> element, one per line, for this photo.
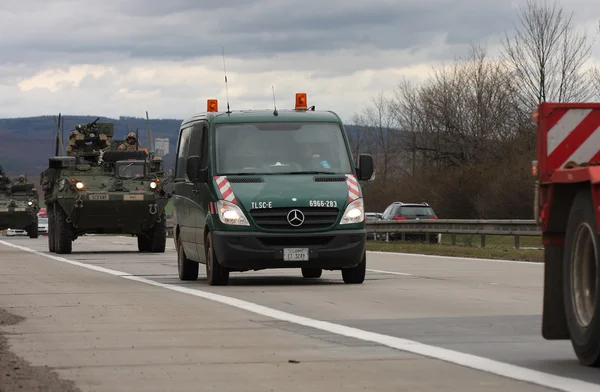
<point x="186" y="268"/>
<point x="356" y="275"/>
<point x="312" y="272"/>
<point x="216" y="274"/>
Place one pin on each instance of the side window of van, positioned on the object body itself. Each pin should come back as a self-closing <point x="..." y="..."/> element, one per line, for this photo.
<point x="182" y="154"/>
<point x="197" y="135"/>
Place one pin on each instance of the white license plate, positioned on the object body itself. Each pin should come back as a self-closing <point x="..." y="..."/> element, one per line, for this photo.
<point x="133" y="197"/>
<point x="99" y="197"/>
<point x="3" y="209"/>
<point x="295" y="254"/>
<point x="20" y="209"/>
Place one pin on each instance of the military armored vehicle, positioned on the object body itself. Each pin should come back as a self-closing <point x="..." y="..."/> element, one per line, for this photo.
<point x="101" y="190"/>
<point x="19" y="206"/>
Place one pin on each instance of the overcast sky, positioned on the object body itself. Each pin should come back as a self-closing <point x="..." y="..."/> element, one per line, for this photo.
<point x="164" y="56"/>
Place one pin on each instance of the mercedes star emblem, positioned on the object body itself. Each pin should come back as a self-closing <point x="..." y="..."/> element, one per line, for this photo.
<point x="295" y="218"/>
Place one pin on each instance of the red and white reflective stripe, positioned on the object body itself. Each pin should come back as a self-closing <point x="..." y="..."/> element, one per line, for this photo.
<point x="353" y="191"/>
<point x="212" y="207"/>
<point x="573" y="135"/>
<point x="225" y="189"/>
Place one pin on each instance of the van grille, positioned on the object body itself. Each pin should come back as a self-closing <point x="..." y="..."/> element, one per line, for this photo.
<point x="276" y="218"/>
<point x="329" y="179"/>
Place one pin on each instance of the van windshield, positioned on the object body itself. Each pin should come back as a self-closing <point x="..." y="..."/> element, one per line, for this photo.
<point x="278" y="148"/>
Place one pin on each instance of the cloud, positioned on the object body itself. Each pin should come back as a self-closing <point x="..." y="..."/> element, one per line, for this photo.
<point x="122" y="58"/>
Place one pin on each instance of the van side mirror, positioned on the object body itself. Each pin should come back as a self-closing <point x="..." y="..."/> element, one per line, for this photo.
<point x="193" y="171"/>
<point x="365" y="168"/>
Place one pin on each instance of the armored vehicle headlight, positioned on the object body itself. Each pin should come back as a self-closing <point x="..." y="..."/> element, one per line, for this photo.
<point x="79" y="185"/>
<point x="30" y="203"/>
<point x="231" y="214"/>
<point x="153" y="185"/>
<point x="355" y="213"/>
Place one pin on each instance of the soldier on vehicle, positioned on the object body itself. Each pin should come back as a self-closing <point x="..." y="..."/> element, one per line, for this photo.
<point x="21" y="180"/>
<point x="131" y="143"/>
<point x="72" y="145"/>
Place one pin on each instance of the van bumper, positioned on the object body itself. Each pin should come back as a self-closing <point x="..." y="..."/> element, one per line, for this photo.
<point x="332" y="250"/>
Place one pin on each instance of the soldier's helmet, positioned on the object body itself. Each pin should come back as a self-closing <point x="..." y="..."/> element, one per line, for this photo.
<point x="131" y="137"/>
<point x="73" y="134"/>
<point x="21" y="178"/>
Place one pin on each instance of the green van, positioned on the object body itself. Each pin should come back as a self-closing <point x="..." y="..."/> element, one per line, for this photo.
<point x="255" y="190"/>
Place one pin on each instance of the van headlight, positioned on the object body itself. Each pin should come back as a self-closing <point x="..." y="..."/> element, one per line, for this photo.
<point x="355" y="213"/>
<point x="231" y="214"/>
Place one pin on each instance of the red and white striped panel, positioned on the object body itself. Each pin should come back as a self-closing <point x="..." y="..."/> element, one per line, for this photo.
<point x="225" y="189"/>
<point x="573" y="135"/>
<point x="212" y="207"/>
<point x="353" y="190"/>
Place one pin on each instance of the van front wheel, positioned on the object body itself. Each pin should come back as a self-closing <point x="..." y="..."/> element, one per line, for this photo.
<point x="216" y="274"/>
<point x="356" y="275"/>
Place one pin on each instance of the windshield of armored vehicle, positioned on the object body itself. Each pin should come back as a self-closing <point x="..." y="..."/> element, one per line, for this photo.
<point x="281" y="148"/>
<point x="130" y="170"/>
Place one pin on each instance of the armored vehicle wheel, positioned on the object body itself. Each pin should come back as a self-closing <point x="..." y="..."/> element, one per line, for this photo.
<point x="51" y="225"/>
<point x="581" y="271"/>
<point x="32" y="231"/>
<point x="143" y="242"/>
<point x="64" y="232"/>
<point x="158" y="236"/>
<point x="312" y="272"/>
<point x="217" y="274"/>
<point x="187" y="269"/>
<point x="356" y="275"/>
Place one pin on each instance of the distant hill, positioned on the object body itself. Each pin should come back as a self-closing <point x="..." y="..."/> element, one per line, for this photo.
<point x="27" y="142"/>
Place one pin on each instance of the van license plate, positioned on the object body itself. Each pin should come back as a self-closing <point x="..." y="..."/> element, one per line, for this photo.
<point x="295" y="254"/>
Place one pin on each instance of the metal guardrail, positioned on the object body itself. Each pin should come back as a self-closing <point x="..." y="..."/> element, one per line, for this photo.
<point x="452" y="227"/>
<point x="481" y="227"/>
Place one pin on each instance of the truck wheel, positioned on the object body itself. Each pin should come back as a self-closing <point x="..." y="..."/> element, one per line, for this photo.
<point x="64" y="232"/>
<point x="158" y="236"/>
<point x="187" y="269"/>
<point x="312" y="272"/>
<point x="216" y="274"/>
<point x="356" y="275"/>
<point x="33" y="229"/>
<point x="581" y="269"/>
<point x="51" y="246"/>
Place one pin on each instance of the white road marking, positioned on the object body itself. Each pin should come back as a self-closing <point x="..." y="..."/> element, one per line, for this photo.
<point x="389" y="272"/>
<point x="455" y="357"/>
<point x="454" y="257"/>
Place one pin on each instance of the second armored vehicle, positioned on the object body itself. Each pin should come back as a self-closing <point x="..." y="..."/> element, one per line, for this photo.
<point x="19" y="205"/>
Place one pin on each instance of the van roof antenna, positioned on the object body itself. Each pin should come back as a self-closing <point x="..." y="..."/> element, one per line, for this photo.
<point x="275" y="113"/>
<point x="225" y="72"/>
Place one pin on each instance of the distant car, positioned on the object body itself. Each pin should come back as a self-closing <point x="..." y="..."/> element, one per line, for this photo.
<point x="15" y="232"/>
<point x="370" y="217"/>
<point x="410" y="211"/>
<point x="42" y="225"/>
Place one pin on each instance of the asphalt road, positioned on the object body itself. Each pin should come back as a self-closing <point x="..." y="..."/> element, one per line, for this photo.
<point x="417" y="323"/>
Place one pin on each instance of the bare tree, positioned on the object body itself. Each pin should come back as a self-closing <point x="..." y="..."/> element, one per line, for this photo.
<point x="384" y="135"/>
<point x="546" y="55"/>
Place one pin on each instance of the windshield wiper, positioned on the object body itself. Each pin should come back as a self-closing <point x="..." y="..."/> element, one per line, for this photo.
<point x="306" y="172"/>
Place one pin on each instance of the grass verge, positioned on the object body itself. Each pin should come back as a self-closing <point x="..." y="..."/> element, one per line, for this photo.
<point x="498" y="253"/>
